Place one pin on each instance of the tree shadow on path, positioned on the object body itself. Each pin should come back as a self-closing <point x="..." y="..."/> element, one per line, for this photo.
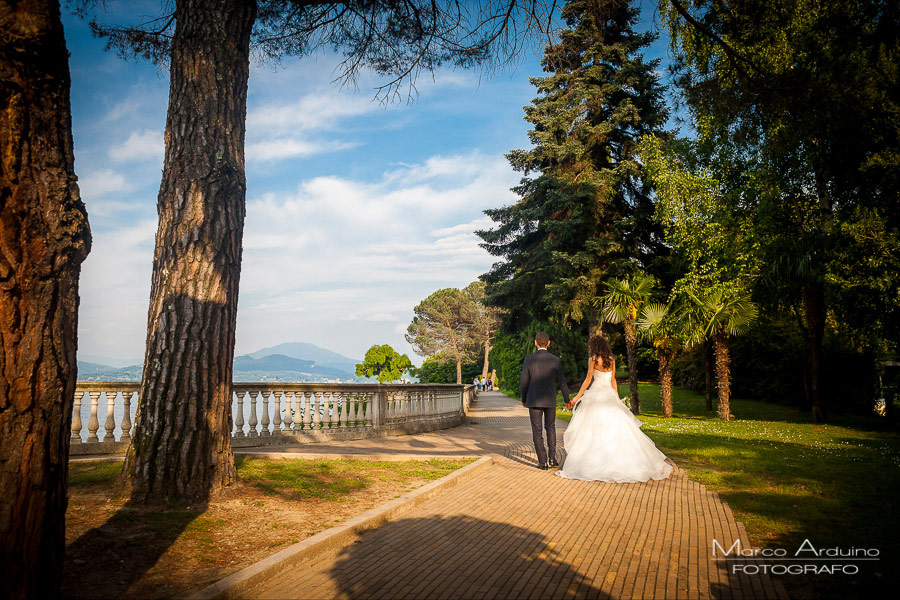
<point x="455" y="557"/>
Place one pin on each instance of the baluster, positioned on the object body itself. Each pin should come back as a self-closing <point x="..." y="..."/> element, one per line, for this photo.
<point x="368" y="410"/>
<point x="254" y="394"/>
<point x="327" y="398"/>
<point x="336" y="410"/>
<point x="239" y="416"/>
<point x="93" y="423"/>
<point x="264" y="422"/>
<point x="307" y="411"/>
<point x="76" y="418"/>
<point x="315" y="404"/>
<point x="288" y="413"/>
<point x="276" y="414"/>
<point x="302" y="413"/>
<point x="126" y="417"/>
<point x="353" y="411"/>
<point x="332" y="406"/>
<point x="343" y="417"/>
<point x="110" y="424"/>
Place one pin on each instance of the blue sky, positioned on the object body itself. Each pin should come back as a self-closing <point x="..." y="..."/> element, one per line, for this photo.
<point x="356" y="210"/>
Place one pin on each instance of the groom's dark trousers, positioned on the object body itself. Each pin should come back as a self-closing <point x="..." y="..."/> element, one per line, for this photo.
<point x="542" y="375"/>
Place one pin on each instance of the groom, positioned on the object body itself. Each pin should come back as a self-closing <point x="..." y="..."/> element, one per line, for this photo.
<point x="542" y="374"/>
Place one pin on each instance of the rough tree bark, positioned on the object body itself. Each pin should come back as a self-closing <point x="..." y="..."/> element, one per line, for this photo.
<point x="665" y="380"/>
<point x="182" y="445"/>
<point x="723" y="375"/>
<point x="708" y="360"/>
<point x="44" y="237"/>
<point x="630" y="347"/>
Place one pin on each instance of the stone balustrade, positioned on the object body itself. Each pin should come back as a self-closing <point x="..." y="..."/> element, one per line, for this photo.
<point x="265" y="414"/>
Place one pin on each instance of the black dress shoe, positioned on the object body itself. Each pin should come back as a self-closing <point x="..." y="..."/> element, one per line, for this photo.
<point x="553" y="462"/>
<point x="542" y="467"/>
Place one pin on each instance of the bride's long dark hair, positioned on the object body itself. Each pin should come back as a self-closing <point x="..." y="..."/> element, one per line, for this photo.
<point x="599" y="347"/>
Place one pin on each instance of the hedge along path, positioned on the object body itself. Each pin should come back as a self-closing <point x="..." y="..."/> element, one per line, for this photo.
<point x="513" y="531"/>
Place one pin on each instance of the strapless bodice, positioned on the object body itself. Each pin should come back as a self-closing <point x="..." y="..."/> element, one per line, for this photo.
<point x="603" y="377"/>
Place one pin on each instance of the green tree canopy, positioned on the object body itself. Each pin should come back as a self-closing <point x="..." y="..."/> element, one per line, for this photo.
<point x="441" y="325"/>
<point x="584" y="212"/>
<point x="384" y="363"/>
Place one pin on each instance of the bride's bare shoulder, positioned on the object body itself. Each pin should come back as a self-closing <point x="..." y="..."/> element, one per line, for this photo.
<point x="597" y="363"/>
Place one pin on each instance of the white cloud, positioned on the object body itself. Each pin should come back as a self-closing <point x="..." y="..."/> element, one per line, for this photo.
<point x="321" y="109"/>
<point x="140" y="145"/>
<point x="100" y="182"/>
<point x="284" y="148"/>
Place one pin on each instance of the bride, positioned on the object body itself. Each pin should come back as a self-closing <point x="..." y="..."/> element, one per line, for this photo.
<point x="604" y="441"/>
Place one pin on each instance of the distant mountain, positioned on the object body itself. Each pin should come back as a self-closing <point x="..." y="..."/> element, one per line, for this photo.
<point x="295" y="361"/>
<point x="109" y="361"/>
<point x="89" y="368"/>
<point x="280" y="362"/>
<point x="94" y="372"/>
<point x="304" y="351"/>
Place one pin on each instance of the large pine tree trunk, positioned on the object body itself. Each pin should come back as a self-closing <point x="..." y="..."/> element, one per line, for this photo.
<point x="665" y="381"/>
<point x="630" y="347"/>
<point x="182" y="445"/>
<point x="723" y="374"/>
<point x="44" y="238"/>
<point x="814" y="307"/>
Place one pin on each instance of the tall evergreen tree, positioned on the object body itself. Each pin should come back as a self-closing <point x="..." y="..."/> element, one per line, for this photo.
<point x="585" y="211"/>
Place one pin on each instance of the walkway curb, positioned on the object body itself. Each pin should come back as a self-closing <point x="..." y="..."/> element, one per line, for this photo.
<point x="348" y="456"/>
<point x="238" y="584"/>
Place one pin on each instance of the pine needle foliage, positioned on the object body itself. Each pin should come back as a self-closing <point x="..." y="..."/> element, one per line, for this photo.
<point x="584" y="212"/>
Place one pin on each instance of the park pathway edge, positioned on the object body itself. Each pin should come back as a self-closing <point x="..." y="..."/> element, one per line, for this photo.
<point x="239" y="583"/>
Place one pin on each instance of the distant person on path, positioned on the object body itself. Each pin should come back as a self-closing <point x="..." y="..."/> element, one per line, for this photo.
<point x="476" y="383"/>
<point x="483" y="383"/>
<point x="604" y="441"/>
<point x="542" y="375"/>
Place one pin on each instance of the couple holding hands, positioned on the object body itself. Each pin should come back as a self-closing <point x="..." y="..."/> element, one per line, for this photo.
<point x="604" y="441"/>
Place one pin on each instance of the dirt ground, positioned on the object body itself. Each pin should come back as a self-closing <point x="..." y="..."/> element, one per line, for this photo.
<point x="115" y="551"/>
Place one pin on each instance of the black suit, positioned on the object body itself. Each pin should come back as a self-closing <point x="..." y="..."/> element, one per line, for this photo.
<point x="542" y="375"/>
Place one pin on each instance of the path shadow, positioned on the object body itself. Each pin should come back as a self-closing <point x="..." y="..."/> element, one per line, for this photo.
<point x="456" y="557"/>
<point x="109" y="561"/>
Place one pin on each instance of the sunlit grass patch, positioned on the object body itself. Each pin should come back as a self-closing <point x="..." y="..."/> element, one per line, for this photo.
<point x="93" y="473"/>
<point x="331" y="479"/>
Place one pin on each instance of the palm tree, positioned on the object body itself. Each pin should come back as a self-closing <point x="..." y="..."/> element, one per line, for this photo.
<point x="659" y="324"/>
<point x="721" y="314"/>
<point x="693" y="330"/>
<point x="622" y="304"/>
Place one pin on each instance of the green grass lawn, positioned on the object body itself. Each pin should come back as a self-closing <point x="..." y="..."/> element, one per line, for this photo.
<point x="789" y="479"/>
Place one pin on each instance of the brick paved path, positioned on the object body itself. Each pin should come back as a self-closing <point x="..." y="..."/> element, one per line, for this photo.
<point x="514" y="531"/>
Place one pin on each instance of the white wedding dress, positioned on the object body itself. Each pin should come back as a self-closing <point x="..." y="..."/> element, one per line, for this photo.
<point x="604" y="441"/>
